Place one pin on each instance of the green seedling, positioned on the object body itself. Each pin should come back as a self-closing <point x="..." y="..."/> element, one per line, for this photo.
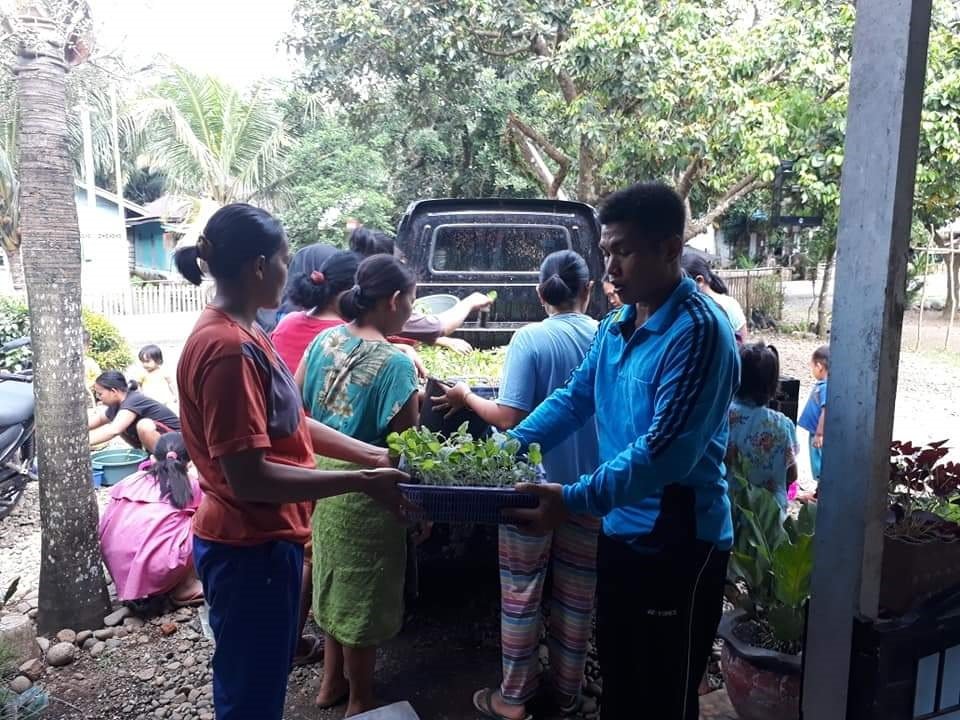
<point x="461" y="460"/>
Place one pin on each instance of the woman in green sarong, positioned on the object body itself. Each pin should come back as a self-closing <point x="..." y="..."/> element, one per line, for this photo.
<point x="355" y="381"/>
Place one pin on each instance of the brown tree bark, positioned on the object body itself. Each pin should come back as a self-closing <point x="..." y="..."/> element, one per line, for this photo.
<point x="823" y="309"/>
<point x="72" y="590"/>
<point x="587" y="190"/>
<point x="953" y="286"/>
<point x="744" y="186"/>
<point x="15" y="263"/>
<point x="530" y="143"/>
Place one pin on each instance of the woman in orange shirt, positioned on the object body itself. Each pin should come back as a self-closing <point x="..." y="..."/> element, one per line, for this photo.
<point x="245" y="428"/>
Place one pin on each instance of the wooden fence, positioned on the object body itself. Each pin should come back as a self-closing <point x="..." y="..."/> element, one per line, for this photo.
<point x="154" y="298"/>
<point x="757" y="289"/>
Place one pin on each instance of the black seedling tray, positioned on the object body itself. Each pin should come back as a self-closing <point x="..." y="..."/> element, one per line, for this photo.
<point x="482" y="505"/>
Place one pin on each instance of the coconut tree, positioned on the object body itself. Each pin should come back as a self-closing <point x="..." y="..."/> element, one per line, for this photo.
<point x="10" y="199"/>
<point x="50" y="36"/>
<point x="211" y="140"/>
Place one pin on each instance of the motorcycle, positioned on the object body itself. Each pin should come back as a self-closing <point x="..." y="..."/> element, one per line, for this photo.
<point x="17" y="447"/>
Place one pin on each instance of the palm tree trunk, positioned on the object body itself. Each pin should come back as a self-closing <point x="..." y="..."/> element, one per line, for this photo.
<point x="15" y="263"/>
<point x="72" y="589"/>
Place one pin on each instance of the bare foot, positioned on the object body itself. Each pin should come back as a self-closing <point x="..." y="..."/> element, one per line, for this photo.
<point x="189" y="590"/>
<point x="357" y="707"/>
<point x="333" y="693"/>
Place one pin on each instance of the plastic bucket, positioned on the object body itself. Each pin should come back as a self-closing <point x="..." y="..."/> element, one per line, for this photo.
<point x="97" y="475"/>
<point x="117" y="464"/>
<point x="434" y="304"/>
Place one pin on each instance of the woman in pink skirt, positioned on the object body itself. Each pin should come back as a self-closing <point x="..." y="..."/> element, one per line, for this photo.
<point x="146" y="531"/>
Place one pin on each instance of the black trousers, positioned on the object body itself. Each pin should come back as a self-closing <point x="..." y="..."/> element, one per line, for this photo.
<point x="657" y="616"/>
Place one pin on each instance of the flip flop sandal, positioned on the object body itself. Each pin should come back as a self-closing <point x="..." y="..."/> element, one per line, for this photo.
<point x="572" y="708"/>
<point x="187" y="602"/>
<point x="313" y="655"/>
<point x="483" y="702"/>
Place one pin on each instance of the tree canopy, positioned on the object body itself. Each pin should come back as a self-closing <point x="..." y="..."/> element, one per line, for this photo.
<point x="211" y="140"/>
<point x="710" y="96"/>
<point x="335" y="176"/>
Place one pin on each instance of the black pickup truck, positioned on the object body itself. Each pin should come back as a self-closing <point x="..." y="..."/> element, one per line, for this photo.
<point x="462" y="246"/>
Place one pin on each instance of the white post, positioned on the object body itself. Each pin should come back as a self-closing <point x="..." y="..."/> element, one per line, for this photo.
<point x="89" y="174"/>
<point x="876" y="204"/>
<point x="117" y="170"/>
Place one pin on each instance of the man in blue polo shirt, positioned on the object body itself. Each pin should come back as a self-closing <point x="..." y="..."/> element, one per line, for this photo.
<point x="659" y="379"/>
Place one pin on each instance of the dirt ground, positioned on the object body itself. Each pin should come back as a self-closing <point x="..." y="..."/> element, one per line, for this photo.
<point x="449" y="647"/>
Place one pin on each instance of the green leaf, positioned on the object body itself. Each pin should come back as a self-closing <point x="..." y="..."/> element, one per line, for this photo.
<point x="11" y="590"/>
<point x="534" y="455"/>
<point x="786" y="623"/>
<point x="750" y="568"/>
<point x="792" y="568"/>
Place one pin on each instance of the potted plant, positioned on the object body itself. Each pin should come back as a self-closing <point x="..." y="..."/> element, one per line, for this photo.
<point x="921" y="544"/>
<point x="770" y="564"/>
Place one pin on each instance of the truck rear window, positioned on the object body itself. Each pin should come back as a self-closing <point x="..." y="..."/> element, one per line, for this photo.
<point x="495" y="248"/>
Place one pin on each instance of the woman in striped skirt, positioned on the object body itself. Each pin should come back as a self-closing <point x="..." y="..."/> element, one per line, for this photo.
<point x="541" y="358"/>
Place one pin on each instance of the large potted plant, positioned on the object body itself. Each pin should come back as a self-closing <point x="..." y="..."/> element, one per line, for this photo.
<point x="770" y="565"/>
<point x="921" y="545"/>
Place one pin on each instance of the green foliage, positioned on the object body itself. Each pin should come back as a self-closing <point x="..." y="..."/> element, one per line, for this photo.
<point x="212" y="140"/>
<point x="27" y="706"/>
<point x="774" y="560"/>
<point x="14" y="324"/>
<point x="724" y="90"/>
<point x="145" y="185"/>
<point x="107" y="345"/>
<point x="462" y="460"/>
<point x="485" y="366"/>
<point x="7" y="667"/>
<point x="336" y="176"/>
<point x="766" y="295"/>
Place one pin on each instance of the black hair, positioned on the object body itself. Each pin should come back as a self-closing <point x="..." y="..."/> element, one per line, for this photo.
<point x="114" y="380"/>
<point x="151" y="352"/>
<point x="368" y="242"/>
<point x="654" y="209"/>
<point x="233" y="236"/>
<point x="318" y="287"/>
<point x="822" y="355"/>
<point x="378" y="277"/>
<point x="563" y="275"/>
<point x="759" y="374"/>
<point x="170" y="469"/>
<point x="695" y="265"/>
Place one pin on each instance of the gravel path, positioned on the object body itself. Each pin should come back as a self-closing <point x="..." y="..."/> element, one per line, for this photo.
<point x="159" y="666"/>
<point x="449" y="646"/>
<point x="928" y="393"/>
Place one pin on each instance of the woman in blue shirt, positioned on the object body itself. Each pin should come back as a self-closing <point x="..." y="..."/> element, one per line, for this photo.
<point x="541" y="357"/>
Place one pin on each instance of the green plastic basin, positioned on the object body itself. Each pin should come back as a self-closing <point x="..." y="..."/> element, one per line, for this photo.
<point x="117" y="464"/>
